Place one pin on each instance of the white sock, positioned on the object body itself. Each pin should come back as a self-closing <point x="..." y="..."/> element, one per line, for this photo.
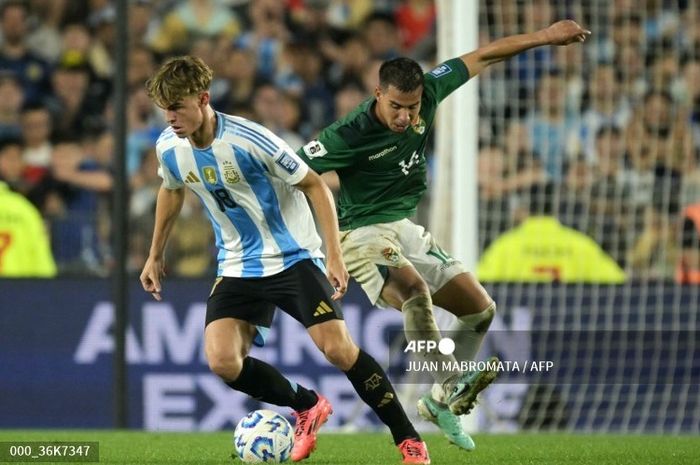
<point x="468" y="334"/>
<point x="419" y="324"/>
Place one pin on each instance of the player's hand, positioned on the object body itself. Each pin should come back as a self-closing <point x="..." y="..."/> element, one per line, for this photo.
<point x="565" y="32"/>
<point x="153" y="272"/>
<point x="337" y="275"/>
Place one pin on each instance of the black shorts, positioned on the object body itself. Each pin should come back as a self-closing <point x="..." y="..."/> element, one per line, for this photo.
<point x="302" y="291"/>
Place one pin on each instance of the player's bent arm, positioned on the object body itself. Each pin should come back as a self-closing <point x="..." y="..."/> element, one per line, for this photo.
<point x="322" y="202"/>
<point x="168" y="206"/>
<point x="560" y="33"/>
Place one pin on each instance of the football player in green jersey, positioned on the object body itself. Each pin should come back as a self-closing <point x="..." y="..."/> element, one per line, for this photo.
<point x="377" y="152"/>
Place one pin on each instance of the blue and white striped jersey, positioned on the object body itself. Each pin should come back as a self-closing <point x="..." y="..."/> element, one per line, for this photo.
<point x="263" y="225"/>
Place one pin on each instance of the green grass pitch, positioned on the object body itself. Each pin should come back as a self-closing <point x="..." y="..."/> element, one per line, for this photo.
<point x="126" y="447"/>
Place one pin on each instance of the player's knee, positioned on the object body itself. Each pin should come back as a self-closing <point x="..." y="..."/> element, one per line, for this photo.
<point x="341" y="352"/>
<point x="487" y="317"/>
<point x="226" y="365"/>
<point x="418" y="288"/>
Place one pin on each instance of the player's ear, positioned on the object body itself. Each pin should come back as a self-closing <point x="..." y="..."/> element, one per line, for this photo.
<point x="204" y="98"/>
<point x="377" y="92"/>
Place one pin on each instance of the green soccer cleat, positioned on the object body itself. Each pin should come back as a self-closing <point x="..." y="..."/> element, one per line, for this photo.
<point x="460" y="393"/>
<point x="429" y="409"/>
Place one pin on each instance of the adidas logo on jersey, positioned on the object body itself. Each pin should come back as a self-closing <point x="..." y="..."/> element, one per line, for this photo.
<point x="322" y="309"/>
<point x="191" y="177"/>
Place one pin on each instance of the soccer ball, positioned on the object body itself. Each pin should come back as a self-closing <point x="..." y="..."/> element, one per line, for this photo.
<point x="263" y="436"/>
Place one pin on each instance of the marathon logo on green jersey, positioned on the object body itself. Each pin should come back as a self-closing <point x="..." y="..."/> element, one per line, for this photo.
<point x="441" y="70"/>
<point x="382" y="153"/>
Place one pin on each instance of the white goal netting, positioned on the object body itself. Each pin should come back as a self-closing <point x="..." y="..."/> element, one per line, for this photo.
<point x="604" y="138"/>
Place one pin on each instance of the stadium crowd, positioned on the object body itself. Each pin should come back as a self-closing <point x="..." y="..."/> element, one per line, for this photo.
<point x="612" y="129"/>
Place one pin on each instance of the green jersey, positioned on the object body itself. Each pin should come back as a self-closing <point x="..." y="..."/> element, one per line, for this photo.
<point x="382" y="173"/>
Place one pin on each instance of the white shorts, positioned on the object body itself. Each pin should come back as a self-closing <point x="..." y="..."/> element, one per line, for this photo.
<point x="368" y="250"/>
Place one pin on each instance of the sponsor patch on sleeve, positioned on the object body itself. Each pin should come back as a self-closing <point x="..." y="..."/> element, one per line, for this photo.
<point x="441" y="70"/>
<point x="289" y="164"/>
<point x="315" y="149"/>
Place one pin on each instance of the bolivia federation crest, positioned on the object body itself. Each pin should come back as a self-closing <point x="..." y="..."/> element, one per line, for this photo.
<point x="231" y="176"/>
<point x="419" y="127"/>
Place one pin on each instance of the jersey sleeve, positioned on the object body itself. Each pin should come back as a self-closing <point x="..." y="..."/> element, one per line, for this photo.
<point x="445" y="78"/>
<point x="166" y="169"/>
<point x="282" y="163"/>
<point x="327" y="153"/>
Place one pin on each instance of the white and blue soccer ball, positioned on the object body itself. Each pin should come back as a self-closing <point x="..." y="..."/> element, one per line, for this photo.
<point x="263" y="436"/>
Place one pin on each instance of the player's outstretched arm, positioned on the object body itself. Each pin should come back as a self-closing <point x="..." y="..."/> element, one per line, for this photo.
<point x="322" y="202"/>
<point x="168" y="206"/>
<point x="563" y="32"/>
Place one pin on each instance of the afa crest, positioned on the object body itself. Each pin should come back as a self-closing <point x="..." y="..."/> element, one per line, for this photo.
<point x="209" y="174"/>
<point x="231" y="176"/>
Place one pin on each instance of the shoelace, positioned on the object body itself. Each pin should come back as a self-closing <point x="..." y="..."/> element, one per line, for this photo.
<point x="413" y="450"/>
<point x="302" y="419"/>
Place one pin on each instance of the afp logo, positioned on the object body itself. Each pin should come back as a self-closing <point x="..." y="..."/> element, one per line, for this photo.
<point x="445" y="346"/>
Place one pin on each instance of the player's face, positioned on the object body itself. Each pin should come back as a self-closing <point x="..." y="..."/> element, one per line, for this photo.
<point x="187" y="115"/>
<point x="396" y="109"/>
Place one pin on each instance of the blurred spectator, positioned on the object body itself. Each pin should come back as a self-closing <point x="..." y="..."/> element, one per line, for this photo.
<point x="46" y="18"/>
<point x="12" y="167"/>
<point x="194" y="19"/>
<point x="289" y="120"/>
<point x="689" y="98"/>
<point x="610" y="194"/>
<point x="141" y="22"/>
<point x="347" y="98"/>
<point x="11" y="98"/>
<point x="74" y="107"/>
<point x="655" y="252"/>
<point x="416" y="22"/>
<point x="24" y="245"/>
<point x="144" y="127"/>
<point x="606" y="106"/>
<point x="540" y="249"/>
<point x="554" y="136"/>
<point x="629" y="67"/>
<point x="494" y="203"/>
<point x="569" y="61"/>
<point x="307" y="69"/>
<point x="36" y="135"/>
<point x="348" y="60"/>
<point x="15" y="56"/>
<point x="370" y="76"/>
<point x="688" y="268"/>
<point x="574" y="207"/>
<point x="240" y="73"/>
<point x="140" y="66"/>
<point x="72" y="204"/>
<point x="346" y="14"/>
<point x="267" y="35"/>
<point x="279" y="112"/>
<point x="382" y="36"/>
<point x="103" y="43"/>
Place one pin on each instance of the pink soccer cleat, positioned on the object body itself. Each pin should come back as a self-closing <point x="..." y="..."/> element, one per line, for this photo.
<point x="414" y="451"/>
<point x="307" y="424"/>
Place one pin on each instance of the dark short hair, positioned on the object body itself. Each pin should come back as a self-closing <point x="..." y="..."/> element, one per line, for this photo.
<point x="13" y="4"/>
<point x="403" y="73"/>
<point x="608" y="129"/>
<point x="10" y="142"/>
